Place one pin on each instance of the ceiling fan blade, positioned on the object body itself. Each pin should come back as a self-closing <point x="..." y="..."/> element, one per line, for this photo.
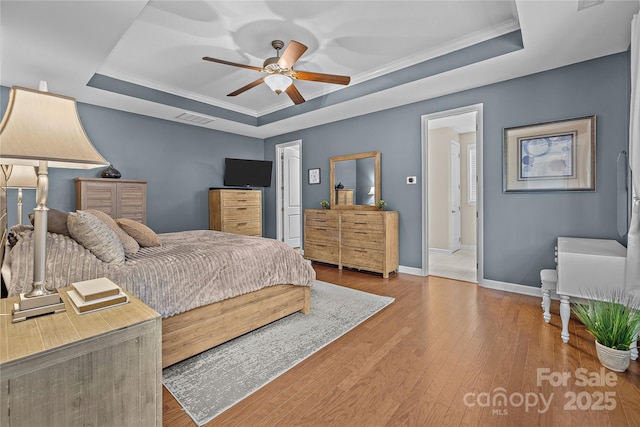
<point x="247" y="87"/>
<point x="233" y="64"/>
<point x="320" y="77"/>
<point x="293" y="93"/>
<point x="291" y="54"/>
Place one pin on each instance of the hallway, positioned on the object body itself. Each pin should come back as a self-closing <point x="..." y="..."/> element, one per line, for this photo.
<point x="460" y="265"/>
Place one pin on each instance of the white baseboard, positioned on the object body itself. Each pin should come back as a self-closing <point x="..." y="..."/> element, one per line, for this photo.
<point x="510" y="287"/>
<point x="411" y="270"/>
<point x="469" y="247"/>
<point x="441" y="251"/>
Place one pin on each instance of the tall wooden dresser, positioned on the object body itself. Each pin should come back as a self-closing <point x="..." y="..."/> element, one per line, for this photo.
<point x="236" y="211"/>
<point x="361" y="239"/>
<point x="119" y="198"/>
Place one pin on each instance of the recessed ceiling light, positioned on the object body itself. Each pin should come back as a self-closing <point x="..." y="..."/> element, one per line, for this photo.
<point x="195" y="118"/>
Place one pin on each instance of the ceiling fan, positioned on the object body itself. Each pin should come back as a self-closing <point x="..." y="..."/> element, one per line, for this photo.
<point x="280" y="72"/>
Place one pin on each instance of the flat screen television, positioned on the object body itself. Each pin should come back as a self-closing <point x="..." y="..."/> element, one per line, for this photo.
<point x="247" y="173"/>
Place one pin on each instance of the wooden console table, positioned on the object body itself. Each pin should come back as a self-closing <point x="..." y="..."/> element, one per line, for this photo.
<point x="99" y="369"/>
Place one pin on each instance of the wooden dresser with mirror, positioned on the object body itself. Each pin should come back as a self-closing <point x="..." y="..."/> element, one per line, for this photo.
<point x="354" y="233"/>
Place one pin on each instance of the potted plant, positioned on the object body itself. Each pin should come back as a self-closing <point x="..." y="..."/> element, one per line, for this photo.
<point x="614" y="321"/>
<point x="325" y="204"/>
<point x="381" y="204"/>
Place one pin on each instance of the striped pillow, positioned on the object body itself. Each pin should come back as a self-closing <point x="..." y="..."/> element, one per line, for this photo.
<point x="96" y="236"/>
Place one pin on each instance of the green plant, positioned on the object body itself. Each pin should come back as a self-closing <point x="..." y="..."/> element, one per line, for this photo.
<point x="381" y="204"/>
<point x="613" y="320"/>
<point x="325" y="204"/>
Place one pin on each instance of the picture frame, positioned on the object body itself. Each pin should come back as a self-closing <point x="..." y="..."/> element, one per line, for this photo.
<point x="551" y="156"/>
<point x="314" y="176"/>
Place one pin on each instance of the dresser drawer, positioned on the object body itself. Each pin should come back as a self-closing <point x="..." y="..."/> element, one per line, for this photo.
<point x="249" y="228"/>
<point x="363" y="239"/>
<point x="363" y="221"/>
<point x="325" y="218"/>
<point x="234" y="214"/>
<point x="322" y="252"/>
<point x="327" y="235"/>
<point x="362" y="258"/>
<point x="240" y="198"/>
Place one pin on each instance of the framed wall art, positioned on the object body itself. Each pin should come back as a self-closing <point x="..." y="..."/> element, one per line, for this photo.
<point x="554" y="156"/>
<point x="314" y="176"/>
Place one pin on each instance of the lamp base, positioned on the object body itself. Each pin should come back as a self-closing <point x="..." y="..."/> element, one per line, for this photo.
<point x="36" y="306"/>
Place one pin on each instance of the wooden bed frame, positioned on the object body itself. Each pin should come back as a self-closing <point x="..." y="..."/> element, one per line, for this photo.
<point x="187" y="334"/>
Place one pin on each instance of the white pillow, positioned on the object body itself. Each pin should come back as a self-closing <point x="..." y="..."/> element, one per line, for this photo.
<point x="96" y="236"/>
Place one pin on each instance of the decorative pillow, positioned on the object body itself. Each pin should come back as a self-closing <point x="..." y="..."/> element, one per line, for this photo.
<point x="96" y="236"/>
<point x="128" y="243"/>
<point x="143" y="234"/>
<point x="56" y="221"/>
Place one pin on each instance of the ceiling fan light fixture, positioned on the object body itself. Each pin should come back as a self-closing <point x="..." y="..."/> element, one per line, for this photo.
<point x="278" y="82"/>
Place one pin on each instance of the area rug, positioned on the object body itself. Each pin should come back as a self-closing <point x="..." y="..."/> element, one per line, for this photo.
<point x="210" y="382"/>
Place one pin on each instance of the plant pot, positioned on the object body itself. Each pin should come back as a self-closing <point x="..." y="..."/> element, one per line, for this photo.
<point x="616" y="360"/>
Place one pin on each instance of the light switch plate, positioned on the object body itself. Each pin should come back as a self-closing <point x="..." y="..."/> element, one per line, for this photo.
<point x="411" y="180"/>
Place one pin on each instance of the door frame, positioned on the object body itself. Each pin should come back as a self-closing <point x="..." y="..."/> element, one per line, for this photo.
<point x="425" y="181"/>
<point x="455" y="227"/>
<point x="280" y="185"/>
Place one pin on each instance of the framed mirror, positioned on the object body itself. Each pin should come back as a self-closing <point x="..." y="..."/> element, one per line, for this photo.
<point x="354" y="181"/>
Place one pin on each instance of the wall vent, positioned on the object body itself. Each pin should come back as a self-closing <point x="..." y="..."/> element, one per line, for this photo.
<point x="583" y="4"/>
<point x="195" y="118"/>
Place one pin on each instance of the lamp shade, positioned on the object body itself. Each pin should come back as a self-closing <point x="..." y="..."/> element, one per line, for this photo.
<point x="278" y="82"/>
<point x="44" y="126"/>
<point x="22" y="177"/>
<point x="372" y="191"/>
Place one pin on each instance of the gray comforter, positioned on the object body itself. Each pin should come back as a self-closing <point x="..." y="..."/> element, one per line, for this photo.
<point x="190" y="269"/>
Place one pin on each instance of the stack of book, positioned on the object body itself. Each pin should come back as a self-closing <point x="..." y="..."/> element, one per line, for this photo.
<point x="96" y="294"/>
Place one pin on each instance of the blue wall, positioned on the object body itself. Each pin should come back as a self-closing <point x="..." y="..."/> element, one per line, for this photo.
<point x="181" y="162"/>
<point x="519" y="229"/>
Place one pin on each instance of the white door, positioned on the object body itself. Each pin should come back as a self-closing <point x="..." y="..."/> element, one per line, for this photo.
<point x="291" y="200"/>
<point x="454" y="220"/>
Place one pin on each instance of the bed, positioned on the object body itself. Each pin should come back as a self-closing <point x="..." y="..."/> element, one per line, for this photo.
<point x="208" y="286"/>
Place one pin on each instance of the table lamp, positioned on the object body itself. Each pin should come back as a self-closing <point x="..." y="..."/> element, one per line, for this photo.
<point x="42" y="129"/>
<point x="21" y="177"/>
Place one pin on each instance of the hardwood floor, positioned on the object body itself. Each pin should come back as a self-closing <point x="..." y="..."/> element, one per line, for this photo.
<point x="444" y="353"/>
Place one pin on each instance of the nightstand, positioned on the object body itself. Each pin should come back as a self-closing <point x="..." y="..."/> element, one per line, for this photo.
<point x="99" y="368"/>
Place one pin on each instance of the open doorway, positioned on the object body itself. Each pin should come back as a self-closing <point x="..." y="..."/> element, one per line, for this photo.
<point x="289" y="193"/>
<point x="452" y="230"/>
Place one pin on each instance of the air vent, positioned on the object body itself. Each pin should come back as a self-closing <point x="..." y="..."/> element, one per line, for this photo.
<point x="583" y="4"/>
<point x="195" y="118"/>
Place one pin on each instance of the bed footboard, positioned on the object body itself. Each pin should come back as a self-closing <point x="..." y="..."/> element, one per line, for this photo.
<point x="187" y="334"/>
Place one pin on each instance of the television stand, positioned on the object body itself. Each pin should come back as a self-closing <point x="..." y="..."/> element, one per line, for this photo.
<point x="235" y="188"/>
<point x="236" y="211"/>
